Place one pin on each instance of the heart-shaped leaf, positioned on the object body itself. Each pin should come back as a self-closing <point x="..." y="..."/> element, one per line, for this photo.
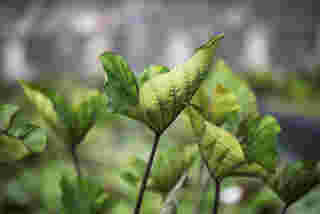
<point x="164" y="96"/>
<point x="221" y="149"/>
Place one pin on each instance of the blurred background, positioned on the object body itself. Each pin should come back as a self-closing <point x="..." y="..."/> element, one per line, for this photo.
<point x="274" y="44"/>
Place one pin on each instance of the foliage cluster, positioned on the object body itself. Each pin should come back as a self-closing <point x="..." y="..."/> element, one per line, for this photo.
<point x="230" y="137"/>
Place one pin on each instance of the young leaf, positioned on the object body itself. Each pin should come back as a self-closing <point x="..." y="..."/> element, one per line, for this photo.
<point x="150" y="72"/>
<point x="164" y="96"/>
<point x="121" y="85"/>
<point x="260" y="146"/>
<point x="18" y="137"/>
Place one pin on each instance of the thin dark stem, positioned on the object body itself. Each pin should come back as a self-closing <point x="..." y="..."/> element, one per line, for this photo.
<point x="76" y="161"/>
<point x="284" y="210"/>
<point x="216" y="197"/>
<point x="146" y="174"/>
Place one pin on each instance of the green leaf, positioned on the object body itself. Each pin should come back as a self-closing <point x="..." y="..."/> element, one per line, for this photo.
<point x="219" y="147"/>
<point x="293" y="181"/>
<point x="87" y="105"/>
<point x="261" y="144"/>
<point x="121" y="85"/>
<point x="168" y="166"/>
<point x="7" y="111"/>
<point x="52" y="107"/>
<point x="20" y="138"/>
<point x="232" y="122"/>
<point x="82" y="197"/>
<point x="71" y="115"/>
<point x="224" y="103"/>
<point x="223" y="77"/>
<point x="163" y="97"/>
<point x="150" y="72"/>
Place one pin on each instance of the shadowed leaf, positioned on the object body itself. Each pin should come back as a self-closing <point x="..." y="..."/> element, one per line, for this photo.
<point x="121" y="86"/>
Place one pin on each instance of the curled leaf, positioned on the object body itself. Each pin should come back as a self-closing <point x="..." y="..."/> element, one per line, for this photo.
<point x="221" y="149"/>
<point x="163" y="97"/>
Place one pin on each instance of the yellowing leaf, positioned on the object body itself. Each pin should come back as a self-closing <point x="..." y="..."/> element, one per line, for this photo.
<point x="222" y="75"/>
<point x="164" y="96"/>
<point x="223" y="103"/>
<point x="42" y="103"/>
<point x="221" y="149"/>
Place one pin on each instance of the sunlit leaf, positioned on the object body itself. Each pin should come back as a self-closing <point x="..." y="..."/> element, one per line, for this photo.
<point x="52" y="107"/>
<point x="223" y="76"/>
<point x="150" y="72"/>
<point x="219" y="147"/>
<point x="164" y="96"/>
<point x="223" y="103"/>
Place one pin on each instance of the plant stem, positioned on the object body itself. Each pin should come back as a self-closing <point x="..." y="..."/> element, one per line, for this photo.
<point x="284" y="210"/>
<point x="171" y="202"/>
<point x="75" y="159"/>
<point x="146" y="174"/>
<point x="216" y="197"/>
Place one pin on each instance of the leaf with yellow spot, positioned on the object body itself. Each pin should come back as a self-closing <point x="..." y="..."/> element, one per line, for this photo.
<point x="163" y="97"/>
